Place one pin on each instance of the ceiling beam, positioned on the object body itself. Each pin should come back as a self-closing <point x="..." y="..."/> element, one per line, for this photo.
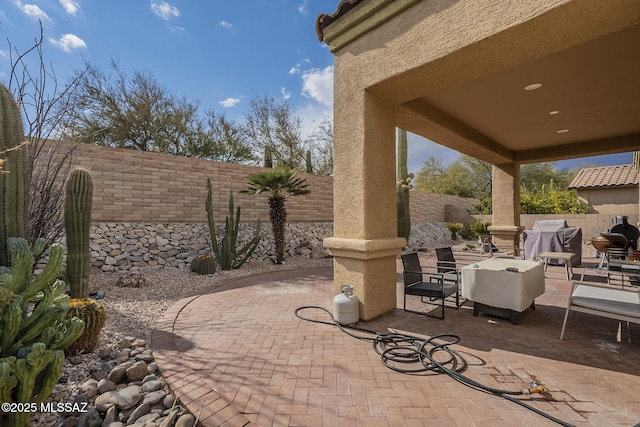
<point x="422" y="118"/>
<point x="618" y="144"/>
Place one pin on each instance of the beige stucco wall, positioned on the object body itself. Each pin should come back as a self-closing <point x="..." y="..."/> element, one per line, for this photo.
<point x="611" y="201"/>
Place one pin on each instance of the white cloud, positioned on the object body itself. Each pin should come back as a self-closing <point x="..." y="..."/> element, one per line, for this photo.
<point x="312" y="116"/>
<point x="285" y="95"/>
<point x="225" y="24"/>
<point x="70" y="6"/>
<point x="164" y="10"/>
<point x="68" y="42"/>
<point x="302" y="7"/>
<point x="295" y="69"/>
<point x="32" y="10"/>
<point x="229" y="102"/>
<point x="318" y="84"/>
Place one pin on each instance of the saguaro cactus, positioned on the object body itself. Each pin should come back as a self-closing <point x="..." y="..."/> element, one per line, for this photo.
<point x="403" y="180"/>
<point x="13" y="192"/>
<point x="77" y="224"/>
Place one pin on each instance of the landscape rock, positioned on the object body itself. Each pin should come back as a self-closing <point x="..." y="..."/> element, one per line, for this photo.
<point x="143" y="402"/>
<point x="154" y="397"/>
<point x="105" y="385"/>
<point x="91" y="418"/>
<point x="153" y="385"/>
<point x="128" y="397"/>
<point x="186" y="420"/>
<point x="138" y="412"/>
<point x="132" y="280"/>
<point x="137" y="372"/>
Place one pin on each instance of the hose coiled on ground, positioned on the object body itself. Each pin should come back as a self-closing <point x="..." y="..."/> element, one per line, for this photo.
<point x="427" y="355"/>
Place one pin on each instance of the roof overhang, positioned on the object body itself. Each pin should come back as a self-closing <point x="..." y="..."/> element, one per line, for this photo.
<point x="584" y="54"/>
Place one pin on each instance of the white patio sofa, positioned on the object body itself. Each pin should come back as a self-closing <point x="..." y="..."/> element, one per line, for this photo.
<point x="620" y="304"/>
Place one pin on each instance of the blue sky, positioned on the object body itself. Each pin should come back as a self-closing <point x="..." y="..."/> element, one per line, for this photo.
<point x="217" y="52"/>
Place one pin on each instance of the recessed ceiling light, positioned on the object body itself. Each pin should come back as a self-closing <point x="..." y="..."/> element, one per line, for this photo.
<point x="554" y="112"/>
<point x="533" y="86"/>
<point x="562" y="131"/>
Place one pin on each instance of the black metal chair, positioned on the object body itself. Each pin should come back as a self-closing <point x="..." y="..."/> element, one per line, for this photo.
<point x="440" y="284"/>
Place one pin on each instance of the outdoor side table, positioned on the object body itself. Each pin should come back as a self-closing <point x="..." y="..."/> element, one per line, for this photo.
<point x="564" y="256"/>
<point x="497" y="291"/>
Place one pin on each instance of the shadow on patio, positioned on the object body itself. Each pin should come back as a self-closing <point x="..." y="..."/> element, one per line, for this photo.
<point x="251" y="361"/>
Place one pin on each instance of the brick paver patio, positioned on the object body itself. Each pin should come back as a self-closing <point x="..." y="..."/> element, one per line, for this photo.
<point x="239" y="356"/>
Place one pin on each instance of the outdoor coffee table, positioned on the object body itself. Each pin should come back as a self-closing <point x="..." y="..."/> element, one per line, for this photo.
<point x="497" y="291"/>
<point x="564" y="256"/>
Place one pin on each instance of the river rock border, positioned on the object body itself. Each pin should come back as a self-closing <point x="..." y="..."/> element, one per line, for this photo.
<point x="120" y="247"/>
<point x="141" y="246"/>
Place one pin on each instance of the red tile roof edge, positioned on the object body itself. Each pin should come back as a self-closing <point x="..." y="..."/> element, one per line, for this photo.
<point x="324" y="19"/>
<point x="605" y="177"/>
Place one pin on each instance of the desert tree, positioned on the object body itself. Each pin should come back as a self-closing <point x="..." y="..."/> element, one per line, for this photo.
<point x="273" y="128"/>
<point x="278" y="184"/>
<point x="224" y="141"/>
<point x="320" y="146"/>
<point x="135" y="111"/>
<point x="46" y="104"/>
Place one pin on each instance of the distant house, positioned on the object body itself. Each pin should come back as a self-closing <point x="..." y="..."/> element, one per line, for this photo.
<point x="609" y="190"/>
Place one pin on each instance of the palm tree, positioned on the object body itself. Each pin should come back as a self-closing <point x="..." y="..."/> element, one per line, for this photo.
<point x="278" y="183"/>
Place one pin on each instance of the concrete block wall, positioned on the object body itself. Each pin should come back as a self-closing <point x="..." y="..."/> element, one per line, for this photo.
<point x="136" y="186"/>
<point x="591" y="224"/>
<point x="429" y="207"/>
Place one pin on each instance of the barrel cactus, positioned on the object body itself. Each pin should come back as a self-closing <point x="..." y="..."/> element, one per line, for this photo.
<point x="77" y="224"/>
<point x="94" y="316"/>
<point x="34" y="327"/>
<point x="13" y="186"/>
<point x="205" y="264"/>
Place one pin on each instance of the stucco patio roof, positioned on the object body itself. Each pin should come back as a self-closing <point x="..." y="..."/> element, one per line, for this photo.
<point x="605" y="177"/>
<point x="468" y="92"/>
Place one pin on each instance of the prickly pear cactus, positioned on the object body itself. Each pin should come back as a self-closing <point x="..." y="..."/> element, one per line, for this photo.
<point x="77" y="224"/>
<point x="34" y="328"/>
<point x="13" y="189"/>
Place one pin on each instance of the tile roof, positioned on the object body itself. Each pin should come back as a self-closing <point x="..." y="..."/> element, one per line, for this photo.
<point x="323" y="20"/>
<point x="605" y="177"/>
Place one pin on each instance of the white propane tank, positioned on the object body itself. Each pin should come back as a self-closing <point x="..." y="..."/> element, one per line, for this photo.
<point x="346" y="307"/>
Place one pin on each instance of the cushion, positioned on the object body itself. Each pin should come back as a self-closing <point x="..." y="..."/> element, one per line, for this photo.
<point x="616" y="301"/>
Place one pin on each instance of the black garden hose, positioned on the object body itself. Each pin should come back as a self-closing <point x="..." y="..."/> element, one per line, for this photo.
<point x="396" y="350"/>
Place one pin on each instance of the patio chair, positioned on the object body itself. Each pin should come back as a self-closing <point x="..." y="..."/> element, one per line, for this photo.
<point x="446" y="260"/>
<point x="440" y="284"/>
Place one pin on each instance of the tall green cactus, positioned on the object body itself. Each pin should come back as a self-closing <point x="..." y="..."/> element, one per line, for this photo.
<point x="34" y="328"/>
<point x="13" y="187"/>
<point x="226" y="254"/>
<point x="403" y="180"/>
<point x="77" y="224"/>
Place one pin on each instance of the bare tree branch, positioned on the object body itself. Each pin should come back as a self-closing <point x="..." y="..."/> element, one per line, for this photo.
<point x="46" y="106"/>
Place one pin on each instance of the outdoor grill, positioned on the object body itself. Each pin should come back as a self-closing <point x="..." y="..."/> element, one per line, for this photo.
<point x="629" y="231"/>
<point x="605" y="241"/>
<point x="621" y="237"/>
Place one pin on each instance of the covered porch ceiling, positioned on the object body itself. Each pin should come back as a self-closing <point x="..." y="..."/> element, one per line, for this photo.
<point x="479" y="99"/>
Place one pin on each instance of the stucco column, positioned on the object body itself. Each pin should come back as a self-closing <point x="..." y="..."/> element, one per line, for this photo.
<point x="365" y="242"/>
<point x="505" y="221"/>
